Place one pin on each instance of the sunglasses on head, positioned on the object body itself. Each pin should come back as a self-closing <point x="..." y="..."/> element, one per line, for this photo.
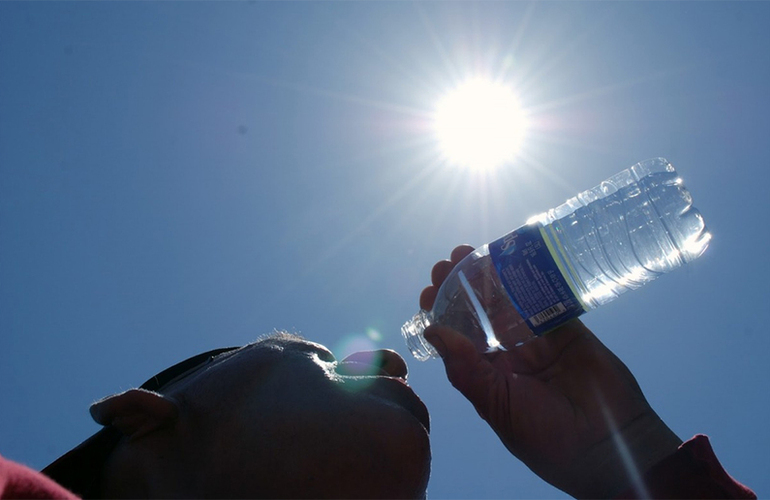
<point x="183" y="369"/>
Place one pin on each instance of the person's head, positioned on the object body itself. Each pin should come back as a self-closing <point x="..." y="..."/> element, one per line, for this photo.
<point x="276" y="418"/>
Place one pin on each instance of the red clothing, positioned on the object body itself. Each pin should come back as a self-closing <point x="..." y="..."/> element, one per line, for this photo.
<point x="18" y="481"/>
<point x="692" y="472"/>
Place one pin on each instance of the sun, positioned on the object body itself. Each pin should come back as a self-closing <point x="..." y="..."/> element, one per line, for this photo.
<point x="480" y="124"/>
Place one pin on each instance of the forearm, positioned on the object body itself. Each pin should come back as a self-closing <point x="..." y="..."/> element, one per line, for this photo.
<point x="692" y="472"/>
<point x="619" y="462"/>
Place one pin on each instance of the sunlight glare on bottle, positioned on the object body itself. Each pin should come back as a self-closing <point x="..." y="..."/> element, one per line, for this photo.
<point x="480" y="124"/>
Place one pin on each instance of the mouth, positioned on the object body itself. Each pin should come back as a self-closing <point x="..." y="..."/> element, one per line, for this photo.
<point x="398" y="392"/>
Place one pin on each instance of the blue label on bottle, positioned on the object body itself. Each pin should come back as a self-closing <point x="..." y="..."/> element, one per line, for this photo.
<point x="534" y="282"/>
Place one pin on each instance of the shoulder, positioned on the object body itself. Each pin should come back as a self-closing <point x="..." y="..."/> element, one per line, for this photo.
<point x="19" y="481"/>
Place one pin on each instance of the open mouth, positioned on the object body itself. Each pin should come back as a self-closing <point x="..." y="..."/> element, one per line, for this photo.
<point x="397" y="391"/>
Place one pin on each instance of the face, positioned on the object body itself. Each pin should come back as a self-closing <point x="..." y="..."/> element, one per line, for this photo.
<point x="284" y="418"/>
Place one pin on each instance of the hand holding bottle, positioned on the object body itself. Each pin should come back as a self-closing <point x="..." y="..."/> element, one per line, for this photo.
<point x="564" y="404"/>
<point x="615" y="237"/>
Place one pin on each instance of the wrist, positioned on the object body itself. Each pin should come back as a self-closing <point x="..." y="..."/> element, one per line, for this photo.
<point x="620" y="461"/>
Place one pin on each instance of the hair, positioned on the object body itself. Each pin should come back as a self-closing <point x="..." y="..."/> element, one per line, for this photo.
<point x="279" y="336"/>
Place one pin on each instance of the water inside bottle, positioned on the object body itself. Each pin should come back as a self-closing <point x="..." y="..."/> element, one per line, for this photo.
<point x="474" y="302"/>
<point x="630" y="236"/>
<point x="605" y="241"/>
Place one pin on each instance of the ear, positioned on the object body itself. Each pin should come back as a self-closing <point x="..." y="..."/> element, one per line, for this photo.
<point x="135" y="412"/>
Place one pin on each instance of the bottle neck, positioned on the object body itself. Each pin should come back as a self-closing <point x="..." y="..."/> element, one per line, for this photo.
<point x="412" y="332"/>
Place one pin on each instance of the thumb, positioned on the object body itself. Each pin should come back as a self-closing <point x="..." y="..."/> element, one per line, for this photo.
<point x="468" y="370"/>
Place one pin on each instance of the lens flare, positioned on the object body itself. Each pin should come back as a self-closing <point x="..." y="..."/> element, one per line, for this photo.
<point x="366" y="361"/>
<point x="373" y="335"/>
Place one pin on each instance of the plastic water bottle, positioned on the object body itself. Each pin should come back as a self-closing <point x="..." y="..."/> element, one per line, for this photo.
<point x="616" y="237"/>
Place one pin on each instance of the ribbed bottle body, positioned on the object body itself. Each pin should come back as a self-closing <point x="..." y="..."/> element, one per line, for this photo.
<point x="626" y="232"/>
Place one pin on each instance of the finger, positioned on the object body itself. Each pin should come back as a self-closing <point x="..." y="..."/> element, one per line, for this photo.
<point x="428" y="297"/>
<point x="460" y="252"/>
<point x="442" y="268"/>
<point x="467" y="369"/>
<point x="564" y="334"/>
<point x="440" y="271"/>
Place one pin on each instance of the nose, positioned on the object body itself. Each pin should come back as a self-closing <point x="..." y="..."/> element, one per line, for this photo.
<point x="380" y="362"/>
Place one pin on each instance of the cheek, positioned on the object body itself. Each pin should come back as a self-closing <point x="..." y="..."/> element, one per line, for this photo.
<point x="385" y="448"/>
<point x="345" y="447"/>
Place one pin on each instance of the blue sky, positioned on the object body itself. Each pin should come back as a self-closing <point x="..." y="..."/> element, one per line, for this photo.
<point x="181" y="176"/>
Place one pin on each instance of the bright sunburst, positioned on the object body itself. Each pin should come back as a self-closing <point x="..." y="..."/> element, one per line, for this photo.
<point x="480" y="124"/>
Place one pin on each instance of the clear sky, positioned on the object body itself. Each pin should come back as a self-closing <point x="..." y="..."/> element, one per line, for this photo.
<point x="180" y="176"/>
